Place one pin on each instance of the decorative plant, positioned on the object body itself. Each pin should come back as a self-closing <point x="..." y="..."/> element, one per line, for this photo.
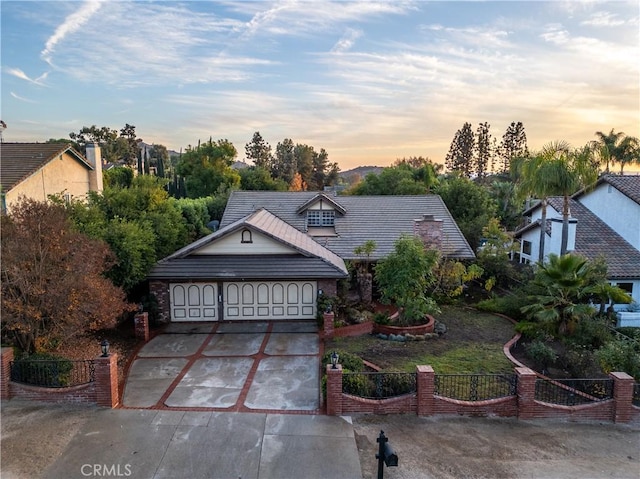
<point x="404" y="276"/>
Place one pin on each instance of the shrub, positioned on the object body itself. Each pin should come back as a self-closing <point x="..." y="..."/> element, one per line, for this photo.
<point x="529" y="330"/>
<point x="381" y="318"/>
<point x="541" y="353"/>
<point x="349" y="361"/>
<point x="591" y="333"/>
<point x="620" y="356"/>
<point x="508" y="305"/>
<point x="55" y="371"/>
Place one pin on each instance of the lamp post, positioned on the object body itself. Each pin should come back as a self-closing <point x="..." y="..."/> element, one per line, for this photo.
<point x="104" y="346"/>
<point x="334" y="360"/>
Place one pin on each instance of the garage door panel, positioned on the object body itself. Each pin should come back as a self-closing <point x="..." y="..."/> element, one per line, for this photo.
<point x="270" y="300"/>
<point x="194" y="301"/>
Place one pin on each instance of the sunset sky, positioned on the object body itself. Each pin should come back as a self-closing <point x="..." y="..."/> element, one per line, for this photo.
<point x="368" y="81"/>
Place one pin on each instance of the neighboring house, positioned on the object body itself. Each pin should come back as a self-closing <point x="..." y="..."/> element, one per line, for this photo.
<point x="604" y="223"/>
<point x="37" y="170"/>
<point x="276" y="251"/>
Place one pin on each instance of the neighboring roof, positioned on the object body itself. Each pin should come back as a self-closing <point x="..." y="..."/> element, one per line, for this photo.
<point x="594" y="239"/>
<point x="20" y="160"/>
<point x="628" y="185"/>
<point x="379" y="218"/>
<point x="313" y="261"/>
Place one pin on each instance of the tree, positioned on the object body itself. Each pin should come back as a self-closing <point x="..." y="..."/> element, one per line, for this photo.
<point x="255" y="178"/>
<point x="629" y="152"/>
<point x="513" y="145"/>
<point x="460" y="157"/>
<point x="52" y="277"/>
<point x="103" y="136"/>
<point x="207" y="168"/>
<point x="128" y="133"/>
<point x="118" y="177"/>
<point x="403" y="277"/>
<point x="484" y="153"/>
<point x="470" y="205"/>
<point x="259" y="151"/>
<point x="401" y="179"/>
<point x="560" y="297"/>
<point x="284" y="164"/>
<point x="304" y="158"/>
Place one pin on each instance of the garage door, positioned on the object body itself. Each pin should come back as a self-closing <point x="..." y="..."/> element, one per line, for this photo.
<point x="270" y="300"/>
<point x="194" y="302"/>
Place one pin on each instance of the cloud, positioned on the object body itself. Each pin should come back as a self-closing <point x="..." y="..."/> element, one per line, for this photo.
<point x="346" y="42"/>
<point x="17" y="97"/>
<point x="70" y="25"/>
<point x="603" y="19"/>
<point x="18" y="73"/>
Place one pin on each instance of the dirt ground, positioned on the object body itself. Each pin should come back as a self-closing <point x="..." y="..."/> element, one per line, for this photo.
<point x="499" y="448"/>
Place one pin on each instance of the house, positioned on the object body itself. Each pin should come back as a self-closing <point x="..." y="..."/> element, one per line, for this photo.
<point x="37" y="170"/>
<point x="604" y="223"/>
<point x="275" y="252"/>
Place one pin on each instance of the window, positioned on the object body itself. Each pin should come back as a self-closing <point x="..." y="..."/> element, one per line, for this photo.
<point x="628" y="287"/>
<point x="246" y="236"/>
<point x="319" y="218"/>
<point x="526" y="247"/>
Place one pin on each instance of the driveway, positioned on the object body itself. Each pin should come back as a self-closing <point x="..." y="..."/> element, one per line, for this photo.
<point x="239" y="367"/>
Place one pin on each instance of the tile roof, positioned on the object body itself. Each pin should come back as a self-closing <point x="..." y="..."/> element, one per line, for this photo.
<point x="595" y="239"/>
<point x="627" y="184"/>
<point x="379" y="218"/>
<point x="19" y="160"/>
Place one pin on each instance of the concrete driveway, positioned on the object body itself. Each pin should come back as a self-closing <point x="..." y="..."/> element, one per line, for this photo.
<point x="240" y="367"/>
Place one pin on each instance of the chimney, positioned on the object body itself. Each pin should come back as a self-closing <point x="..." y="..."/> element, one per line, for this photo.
<point x="429" y="230"/>
<point x="94" y="155"/>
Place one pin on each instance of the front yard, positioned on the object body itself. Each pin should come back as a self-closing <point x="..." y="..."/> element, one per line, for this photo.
<point x="472" y="344"/>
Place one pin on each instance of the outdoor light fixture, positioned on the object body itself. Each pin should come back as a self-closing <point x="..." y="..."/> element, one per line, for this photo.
<point x="104" y="345"/>
<point x="334" y="360"/>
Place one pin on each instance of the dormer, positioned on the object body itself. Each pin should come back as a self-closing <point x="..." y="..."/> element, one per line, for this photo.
<point x="321" y="211"/>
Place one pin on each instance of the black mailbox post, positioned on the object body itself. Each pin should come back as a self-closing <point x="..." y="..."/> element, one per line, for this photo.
<point x="385" y="455"/>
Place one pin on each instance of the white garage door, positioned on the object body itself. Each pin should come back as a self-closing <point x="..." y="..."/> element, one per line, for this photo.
<point x="270" y="300"/>
<point x="194" y="302"/>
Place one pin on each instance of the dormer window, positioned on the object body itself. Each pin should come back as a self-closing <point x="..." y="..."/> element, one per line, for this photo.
<point x="246" y="236"/>
<point x="320" y="218"/>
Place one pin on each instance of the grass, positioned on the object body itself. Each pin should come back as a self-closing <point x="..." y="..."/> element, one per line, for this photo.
<point x="472" y="344"/>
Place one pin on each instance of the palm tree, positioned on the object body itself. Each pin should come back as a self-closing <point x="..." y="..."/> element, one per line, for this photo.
<point x="562" y="292"/>
<point x="618" y="148"/>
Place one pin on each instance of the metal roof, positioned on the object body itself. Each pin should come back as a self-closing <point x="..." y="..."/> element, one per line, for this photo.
<point x="20" y="160"/>
<point x="382" y="219"/>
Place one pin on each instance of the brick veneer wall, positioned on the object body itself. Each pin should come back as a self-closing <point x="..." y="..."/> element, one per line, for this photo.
<point x="141" y="325"/>
<point x="523" y="405"/>
<point x="160" y="289"/>
<point x="103" y="391"/>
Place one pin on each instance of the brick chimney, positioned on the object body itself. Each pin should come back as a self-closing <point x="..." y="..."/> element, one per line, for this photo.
<point x="94" y="155"/>
<point x="429" y="229"/>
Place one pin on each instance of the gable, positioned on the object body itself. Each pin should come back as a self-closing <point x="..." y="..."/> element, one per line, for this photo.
<point x="244" y="241"/>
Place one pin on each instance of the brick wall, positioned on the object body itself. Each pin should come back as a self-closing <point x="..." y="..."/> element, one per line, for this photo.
<point x="523" y="405"/>
<point x="429" y="230"/>
<point x="141" y="325"/>
<point x="160" y="289"/>
<point x="329" y="287"/>
<point x="103" y="391"/>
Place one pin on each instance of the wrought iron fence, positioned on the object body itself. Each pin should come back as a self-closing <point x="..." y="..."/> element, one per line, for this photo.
<point x="636" y="394"/>
<point x="475" y="387"/>
<point x="378" y="385"/>
<point x="573" y="392"/>
<point x="52" y="373"/>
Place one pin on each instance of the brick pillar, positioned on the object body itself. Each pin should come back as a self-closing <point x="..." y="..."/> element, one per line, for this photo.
<point x="328" y="324"/>
<point x="334" y="390"/>
<point x="526" y="393"/>
<point x="107" y="380"/>
<point x="5" y="373"/>
<point x="425" y="385"/>
<point x="622" y="396"/>
<point x="141" y="322"/>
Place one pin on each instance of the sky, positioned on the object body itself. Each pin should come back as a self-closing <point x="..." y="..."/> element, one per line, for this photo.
<point x="370" y="82"/>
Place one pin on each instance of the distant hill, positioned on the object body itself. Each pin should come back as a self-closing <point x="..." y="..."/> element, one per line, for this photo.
<point x="360" y="171"/>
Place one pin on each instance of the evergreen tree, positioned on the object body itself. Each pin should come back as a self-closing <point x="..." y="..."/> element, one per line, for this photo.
<point x="284" y="164"/>
<point x="461" y="153"/>
<point x="514" y="144"/>
<point x="484" y="153"/>
<point x="259" y="151"/>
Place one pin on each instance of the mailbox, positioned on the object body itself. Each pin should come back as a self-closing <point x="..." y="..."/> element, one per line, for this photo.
<point x="386" y="454"/>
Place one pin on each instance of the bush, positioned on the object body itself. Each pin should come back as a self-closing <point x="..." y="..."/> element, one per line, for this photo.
<point x="530" y="330"/>
<point x="508" y="305"/>
<point x="591" y="333"/>
<point x="53" y="372"/>
<point x="541" y="353"/>
<point x="349" y="361"/>
<point x="622" y="356"/>
<point x="381" y="318"/>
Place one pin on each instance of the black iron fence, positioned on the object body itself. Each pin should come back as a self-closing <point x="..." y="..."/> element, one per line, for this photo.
<point x="636" y="394"/>
<point x="52" y="373"/>
<point x="376" y="385"/>
<point x="573" y="392"/>
<point x="475" y="387"/>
